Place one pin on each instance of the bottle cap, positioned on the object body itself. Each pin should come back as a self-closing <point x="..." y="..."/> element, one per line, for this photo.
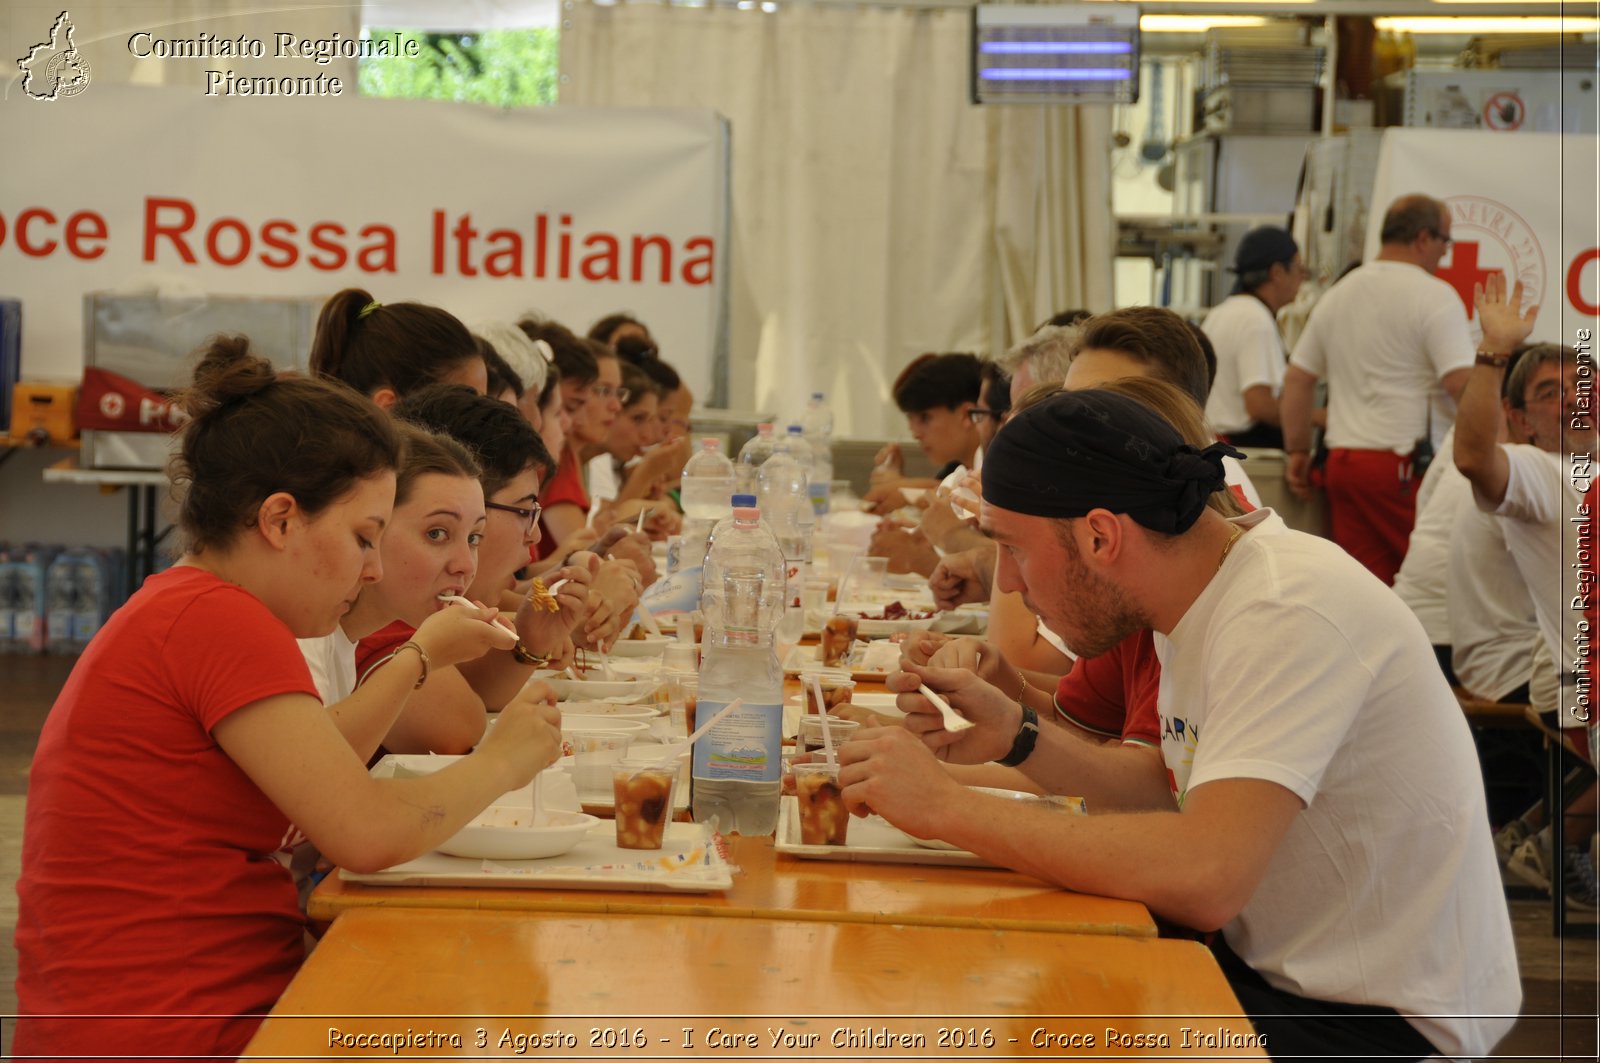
<point x="817" y="395"/>
<point x="710" y="443"/>
<point x="795" y="429"/>
<point x="744" y="501"/>
<point x="765" y="428"/>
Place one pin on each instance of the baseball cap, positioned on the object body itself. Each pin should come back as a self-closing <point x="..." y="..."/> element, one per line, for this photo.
<point x="1261" y="247"/>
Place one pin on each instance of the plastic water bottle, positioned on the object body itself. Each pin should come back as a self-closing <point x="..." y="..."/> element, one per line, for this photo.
<point x="817" y="424"/>
<point x="707" y="483"/>
<point x="8" y="602"/>
<point x="752" y="456"/>
<point x="32" y="598"/>
<point x="94" y="593"/>
<point x="61" y="594"/>
<point x="736" y="765"/>
<point x="786" y="509"/>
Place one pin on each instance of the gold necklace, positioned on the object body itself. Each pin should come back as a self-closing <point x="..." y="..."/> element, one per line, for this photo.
<point x="1237" y="531"/>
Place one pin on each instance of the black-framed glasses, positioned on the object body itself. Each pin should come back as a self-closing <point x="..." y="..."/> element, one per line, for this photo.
<point x="528" y="515"/>
<point x="1437" y="235"/>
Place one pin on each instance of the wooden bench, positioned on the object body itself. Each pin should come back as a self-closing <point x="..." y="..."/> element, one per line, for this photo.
<point x="1492" y="715"/>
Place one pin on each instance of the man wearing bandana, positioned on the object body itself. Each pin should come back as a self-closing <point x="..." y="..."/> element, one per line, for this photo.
<point x="1322" y="807"/>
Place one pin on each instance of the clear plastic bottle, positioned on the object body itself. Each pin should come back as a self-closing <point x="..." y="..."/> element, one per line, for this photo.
<point x="752" y="456"/>
<point x="61" y="596"/>
<point x="817" y="425"/>
<point x="94" y="593"/>
<point x="707" y="483"/>
<point x="736" y="765"/>
<point x="8" y="601"/>
<point x="786" y="509"/>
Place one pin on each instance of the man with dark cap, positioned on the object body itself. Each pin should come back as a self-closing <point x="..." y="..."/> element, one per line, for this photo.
<point x="1243" y="405"/>
<point x="1391" y="339"/>
<point x="1318" y="798"/>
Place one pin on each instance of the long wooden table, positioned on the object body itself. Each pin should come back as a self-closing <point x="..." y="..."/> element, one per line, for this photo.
<point x="772" y="885"/>
<point x="655" y="985"/>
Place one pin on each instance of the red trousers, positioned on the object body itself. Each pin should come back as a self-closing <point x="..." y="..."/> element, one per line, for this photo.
<point x="1372" y="504"/>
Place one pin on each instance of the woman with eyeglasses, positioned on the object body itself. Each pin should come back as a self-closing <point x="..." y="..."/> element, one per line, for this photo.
<point x="188" y="751"/>
<point x="447" y="714"/>
<point x="591" y="392"/>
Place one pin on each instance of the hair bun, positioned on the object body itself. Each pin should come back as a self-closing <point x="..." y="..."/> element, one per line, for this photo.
<point x="227" y="371"/>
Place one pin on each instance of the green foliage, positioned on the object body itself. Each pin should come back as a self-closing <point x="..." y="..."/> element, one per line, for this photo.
<point x="506" y="68"/>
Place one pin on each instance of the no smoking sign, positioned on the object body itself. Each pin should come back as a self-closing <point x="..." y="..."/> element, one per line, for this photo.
<point x="1504" y="111"/>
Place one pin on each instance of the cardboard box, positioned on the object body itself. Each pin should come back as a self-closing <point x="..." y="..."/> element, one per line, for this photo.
<point x="153" y="339"/>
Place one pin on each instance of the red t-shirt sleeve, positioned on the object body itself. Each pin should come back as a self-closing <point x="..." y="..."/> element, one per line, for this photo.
<point x="230" y="651"/>
<point x="374" y="650"/>
<point x="566" y="486"/>
<point x="1114" y="694"/>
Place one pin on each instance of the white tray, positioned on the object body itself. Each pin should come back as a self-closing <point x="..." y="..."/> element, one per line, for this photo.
<point x="806" y="659"/>
<point x="872" y="841"/>
<point x="686" y="863"/>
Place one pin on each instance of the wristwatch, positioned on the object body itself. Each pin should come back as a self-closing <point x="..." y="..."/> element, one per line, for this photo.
<point x="1022" y="745"/>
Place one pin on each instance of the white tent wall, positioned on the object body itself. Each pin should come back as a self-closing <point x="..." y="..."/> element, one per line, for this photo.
<point x="877" y="213"/>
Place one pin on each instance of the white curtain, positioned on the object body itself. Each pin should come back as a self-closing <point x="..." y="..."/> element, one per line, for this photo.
<point x="877" y="213"/>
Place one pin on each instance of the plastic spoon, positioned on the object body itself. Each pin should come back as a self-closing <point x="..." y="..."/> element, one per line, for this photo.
<point x="456" y="599"/>
<point x="649" y="621"/>
<point x="538" y="808"/>
<point x="953" y="720"/>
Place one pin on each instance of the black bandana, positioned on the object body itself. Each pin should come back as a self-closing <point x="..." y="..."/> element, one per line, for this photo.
<point x="1095" y="449"/>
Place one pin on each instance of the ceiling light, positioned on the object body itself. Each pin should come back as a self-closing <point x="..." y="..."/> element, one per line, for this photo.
<point x="1475" y="26"/>
<point x="1196" y="23"/>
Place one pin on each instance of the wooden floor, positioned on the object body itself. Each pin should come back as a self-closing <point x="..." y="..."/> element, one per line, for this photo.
<point x="1560" y="993"/>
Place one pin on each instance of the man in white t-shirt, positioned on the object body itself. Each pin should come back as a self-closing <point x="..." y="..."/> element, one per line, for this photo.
<point x="1317" y="798"/>
<point x="1243" y="405"/>
<point x="1536" y="488"/>
<point x="1392" y="341"/>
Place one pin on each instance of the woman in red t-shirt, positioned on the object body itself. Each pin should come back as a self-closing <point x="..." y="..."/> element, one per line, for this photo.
<point x="188" y="751"/>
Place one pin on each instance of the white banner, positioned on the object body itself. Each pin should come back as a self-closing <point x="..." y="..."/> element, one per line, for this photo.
<point x="1522" y="204"/>
<point x="572" y="212"/>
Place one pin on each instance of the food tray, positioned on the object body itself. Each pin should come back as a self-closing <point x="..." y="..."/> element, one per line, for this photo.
<point x="872" y="841"/>
<point x="687" y="863"/>
<point x="808" y="659"/>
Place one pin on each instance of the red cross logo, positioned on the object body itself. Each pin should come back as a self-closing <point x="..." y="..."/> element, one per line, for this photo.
<point x="1463" y="272"/>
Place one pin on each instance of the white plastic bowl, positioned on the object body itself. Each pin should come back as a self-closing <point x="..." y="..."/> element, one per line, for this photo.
<point x="611" y="710"/>
<point x="577" y="721"/>
<point x="594" y="689"/>
<point x="649" y="646"/>
<point x="504" y="832"/>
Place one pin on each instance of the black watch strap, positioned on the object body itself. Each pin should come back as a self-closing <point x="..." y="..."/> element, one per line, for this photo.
<point x="1027" y="738"/>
